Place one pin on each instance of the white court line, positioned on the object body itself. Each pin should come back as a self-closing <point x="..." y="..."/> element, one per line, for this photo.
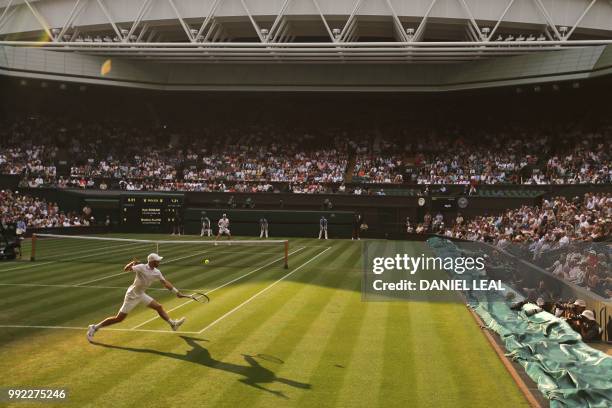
<point x="263" y="290"/>
<point x="32" y="265"/>
<point x="79" y="257"/>
<point x="17" y="326"/>
<point x="222" y="286"/>
<point x="123" y="273"/>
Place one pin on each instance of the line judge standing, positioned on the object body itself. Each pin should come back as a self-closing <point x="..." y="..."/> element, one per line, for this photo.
<point x="263" y="228"/>
<point x="323" y="227"/>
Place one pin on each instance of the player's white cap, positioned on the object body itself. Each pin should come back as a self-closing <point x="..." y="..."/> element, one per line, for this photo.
<point x="154" y="257"/>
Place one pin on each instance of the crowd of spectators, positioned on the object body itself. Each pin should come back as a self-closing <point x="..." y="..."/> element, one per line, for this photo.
<point x="270" y="157"/>
<point x="28" y="212"/>
<point x="563" y="156"/>
<point x="253" y="158"/>
<point x="117" y="155"/>
<point x="560" y="235"/>
<point x="554" y="224"/>
<point x="590" y="268"/>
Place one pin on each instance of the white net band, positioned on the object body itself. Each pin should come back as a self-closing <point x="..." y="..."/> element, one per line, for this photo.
<point x="151" y="241"/>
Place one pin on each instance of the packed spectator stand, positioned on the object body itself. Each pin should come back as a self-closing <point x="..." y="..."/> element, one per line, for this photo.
<point x="562" y="236"/>
<point x="256" y="158"/>
<point x="554" y="224"/>
<point x="559" y="156"/>
<point x="31" y="212"/>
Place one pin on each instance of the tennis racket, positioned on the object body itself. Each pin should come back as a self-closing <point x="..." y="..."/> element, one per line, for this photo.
<point x="198" y="297"/>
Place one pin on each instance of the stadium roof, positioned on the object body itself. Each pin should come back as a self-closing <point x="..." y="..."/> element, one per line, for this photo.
<point x="306" y="31"/>
<point x="374" y="45"/>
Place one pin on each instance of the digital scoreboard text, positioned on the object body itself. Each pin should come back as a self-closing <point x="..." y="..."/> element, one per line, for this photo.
<point x="150" y="211"/>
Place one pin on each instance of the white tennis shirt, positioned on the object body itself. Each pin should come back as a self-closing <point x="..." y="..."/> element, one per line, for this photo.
<point x="145" y="276"/>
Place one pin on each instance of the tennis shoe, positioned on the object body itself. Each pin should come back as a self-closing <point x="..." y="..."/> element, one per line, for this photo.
<point x="175" y="324"/>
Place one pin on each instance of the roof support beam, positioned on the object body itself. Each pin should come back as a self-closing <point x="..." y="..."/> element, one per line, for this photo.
<point x="253" y="22"/>
<point x="471" y="33"/>
<point x="279" y="31"/>
<point x="6" y="14"/>
<point x="143" y="30"/>
<point x="548" y="18"/>
<point x="277" y="20"/>
<point x="398" y="24"/>
<point x="207" y="20"/>
<point x="285" y="34"/>
<point x="501" y="18"/>
<point x="584" y="13"/>
<point x="76" y="11"/>
<point x="418" y="34"/>
<point x="40" y="20"/>
<point x="180" y="18"/>
<point x="329" y="31"/>
<point x="217" y="29"/>
<point x="142" y="12"/>
<point x="471" y="18"/>
<point x="110" y="19"/>
<point x="349" y="23"/>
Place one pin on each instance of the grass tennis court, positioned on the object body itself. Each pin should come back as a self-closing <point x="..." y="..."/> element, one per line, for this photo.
<point x="269" y="337"/>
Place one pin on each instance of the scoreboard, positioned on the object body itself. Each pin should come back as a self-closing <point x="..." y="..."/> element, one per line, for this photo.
<point x="151" y="212"/>
<point x="442" y="204"/>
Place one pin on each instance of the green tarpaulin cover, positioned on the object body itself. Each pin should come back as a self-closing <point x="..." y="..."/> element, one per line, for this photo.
<point x="567" y="371"/>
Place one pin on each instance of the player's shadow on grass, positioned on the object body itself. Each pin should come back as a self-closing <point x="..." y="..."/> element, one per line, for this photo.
<point x="253" y="373"/>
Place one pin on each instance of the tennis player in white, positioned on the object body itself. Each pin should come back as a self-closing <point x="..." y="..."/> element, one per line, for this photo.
<point x="224" y="227"/>
<point x="146" y="274"/>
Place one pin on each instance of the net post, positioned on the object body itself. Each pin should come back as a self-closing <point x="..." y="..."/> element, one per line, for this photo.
<point x="33" y="249"/>
<point x="286" y="254"/>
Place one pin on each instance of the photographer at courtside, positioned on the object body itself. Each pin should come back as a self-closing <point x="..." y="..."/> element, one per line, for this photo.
<point x="580" y="319"/>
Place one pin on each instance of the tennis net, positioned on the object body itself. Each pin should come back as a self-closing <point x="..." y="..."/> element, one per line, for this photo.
<point x="222" y="253"/>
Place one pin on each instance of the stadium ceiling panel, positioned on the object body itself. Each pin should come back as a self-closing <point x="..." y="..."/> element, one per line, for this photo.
<point x="301" y="31"/>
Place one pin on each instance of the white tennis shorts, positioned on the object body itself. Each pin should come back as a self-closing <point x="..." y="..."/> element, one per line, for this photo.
<point x="223" y="231"/>
<point x="132" y="300"/>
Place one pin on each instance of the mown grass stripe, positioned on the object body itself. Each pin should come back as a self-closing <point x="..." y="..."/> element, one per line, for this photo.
<point x="367" y="358"/>
<point x="304" y="352"/>
<point x="282" y="333"/>
<point x="336" y="352"/>
<point x="401" y="346"/>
